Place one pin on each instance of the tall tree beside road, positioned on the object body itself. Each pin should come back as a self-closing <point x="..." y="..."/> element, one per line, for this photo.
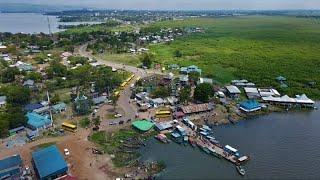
<point x="146" y="59"/>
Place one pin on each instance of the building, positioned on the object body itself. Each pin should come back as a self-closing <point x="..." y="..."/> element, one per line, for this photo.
<point x="161" y="126"/>
<point x="59" y="108"/>
<point x="3" y="101"/>
<point x="205" y="80"/>
<point x="11" y="167"/>
<point x="32" y="107"/>
<point x="233" y="91"/>
<point x="265" y="92"/>
<point x="300" y="100"/>
<point x="49" y="163"/>
<point x="184" y="80"/>
<point x="42" y="110"/>
<point x="250" y="106"/>
<point x="189" y="69"/>
<point x="157" y="102"/>
<point x="196" y="108"/>
<point x="37" y="121"/>
<point x="142" y="125"/>
<point x="99" y="100"/>
<point x="252" y="93"/>
<point x="29" y="84"/>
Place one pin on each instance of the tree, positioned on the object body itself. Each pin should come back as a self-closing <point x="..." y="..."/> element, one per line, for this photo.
<point x="114" y="100"/>
<point x="185" y="95"/>
<point x="194" y="77"/>
<point x="161" y="92"/>
<point x="96" y="121"/>
<point x="55" y="99"/>
<point x="16" y="116"/>
<point x="146" y="59"/>
<point x="37" y="77"/>
<point x="17" y="95"/>
<point x="4" y="125"/>
<point x="177" y="53"/>
<point x="203" y="92"/>
<point x="8" y="74"/>
<point x="85" y="122"/>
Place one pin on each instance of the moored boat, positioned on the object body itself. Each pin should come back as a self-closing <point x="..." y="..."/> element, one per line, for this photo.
<point x="240" y="170"/>
<point x="192" y="142"/>
<point x="162" y="138"/>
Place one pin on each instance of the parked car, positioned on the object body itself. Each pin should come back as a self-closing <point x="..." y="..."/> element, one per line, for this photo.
<point x="118" y="115"/>
<point x="66" y="152"/>
<point x="112" y="123"/>
<point x="121" y="122"/>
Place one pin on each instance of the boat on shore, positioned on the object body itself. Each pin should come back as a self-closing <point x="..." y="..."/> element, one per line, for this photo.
<point x="185" y="140"/>
<point x="240" y="170"/>
<point x="162" y="138"/>
<point x="192" y="142"/>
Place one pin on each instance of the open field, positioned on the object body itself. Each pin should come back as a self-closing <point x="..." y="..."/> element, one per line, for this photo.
<point x="257" y="48"/>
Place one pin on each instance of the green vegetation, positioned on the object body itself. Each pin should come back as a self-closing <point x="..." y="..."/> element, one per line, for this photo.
<point x="257" y="48"/>
<point x="112" y="144"/>
<point x="85" y="122"/>
<point x="203" y="92"/>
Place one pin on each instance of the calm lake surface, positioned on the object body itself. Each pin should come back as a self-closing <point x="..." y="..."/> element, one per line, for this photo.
<point x="282" y="146"/>
<point x="31" y="23"/>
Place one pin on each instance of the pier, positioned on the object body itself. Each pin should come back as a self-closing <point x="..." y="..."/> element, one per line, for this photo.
<point x="210" y="145"/>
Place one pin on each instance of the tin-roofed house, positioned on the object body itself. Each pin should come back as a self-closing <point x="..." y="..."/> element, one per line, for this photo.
<point x="37" y="121"/>
<point x="59" y="108"/>
<point x="49" y="163"/>
<point x="233" y="92"/>
<point x="11" y="167"/>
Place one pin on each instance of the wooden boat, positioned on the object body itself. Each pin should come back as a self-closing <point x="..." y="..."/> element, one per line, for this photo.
<point x="240" y="170"/>
<point x="192" y="142"/>
<point x="162" y="138"/>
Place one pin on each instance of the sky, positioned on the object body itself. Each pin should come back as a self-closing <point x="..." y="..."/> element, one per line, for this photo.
<point x="181" y="4"/>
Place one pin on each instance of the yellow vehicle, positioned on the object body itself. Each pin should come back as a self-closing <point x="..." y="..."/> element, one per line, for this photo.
<point x="69" y="127"/>
<point x="138" y="78"/>
<point x="117" y="93"/>
<point x="122" y="85"/>
<point x="163" y="114"/>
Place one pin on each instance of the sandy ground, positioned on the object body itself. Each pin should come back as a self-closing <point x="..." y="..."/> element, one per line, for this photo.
<point x="82" y="163"/>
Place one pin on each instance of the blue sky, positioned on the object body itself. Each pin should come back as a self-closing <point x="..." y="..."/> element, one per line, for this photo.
<point x="182" y="4"/>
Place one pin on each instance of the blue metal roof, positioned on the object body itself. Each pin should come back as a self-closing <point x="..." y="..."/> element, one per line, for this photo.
<point x="31" y="107"/>
<point x="250" y="104"/>
<point x="10" y="162"/>
<point x="49" y="162"/>
<point x="37" y="121"/>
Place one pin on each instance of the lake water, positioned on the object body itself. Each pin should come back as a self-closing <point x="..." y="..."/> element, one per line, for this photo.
<point x="31" y="23"/>
<point x="282" y="146"/>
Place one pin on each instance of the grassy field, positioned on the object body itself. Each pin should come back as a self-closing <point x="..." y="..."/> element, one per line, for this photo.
<point x="256" y="48"/>
<point x="126" y="58"/>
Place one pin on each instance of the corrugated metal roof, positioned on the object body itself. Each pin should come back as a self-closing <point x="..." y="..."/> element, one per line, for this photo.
<point x="37" y="121"/>
<point x="49" y="162"/>
<point x="10" y="162"/>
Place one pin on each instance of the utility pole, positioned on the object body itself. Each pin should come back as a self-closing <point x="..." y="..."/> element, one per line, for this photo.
<point x="51" y="117"/>
<point x="49" y="26"/>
